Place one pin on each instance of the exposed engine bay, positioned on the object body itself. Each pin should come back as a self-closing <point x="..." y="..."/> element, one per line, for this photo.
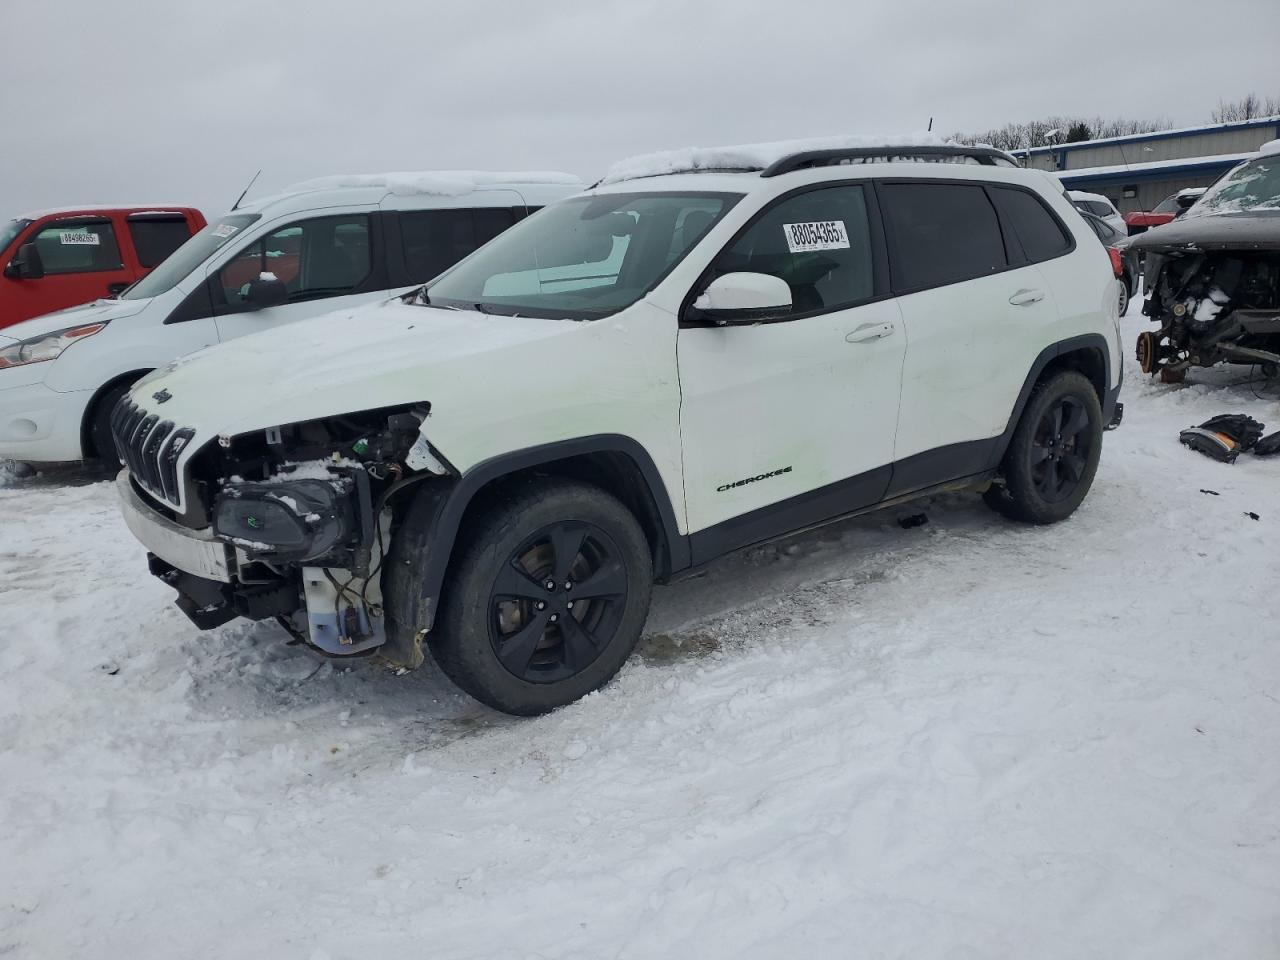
<point x="1212" y="307"/>
<point x="305" y="509"/>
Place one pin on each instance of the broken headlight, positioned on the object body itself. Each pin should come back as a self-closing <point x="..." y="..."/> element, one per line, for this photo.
<point x="293" y="520"/>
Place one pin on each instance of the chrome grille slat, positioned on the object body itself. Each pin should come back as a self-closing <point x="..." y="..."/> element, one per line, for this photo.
<point x="150" y="448"/>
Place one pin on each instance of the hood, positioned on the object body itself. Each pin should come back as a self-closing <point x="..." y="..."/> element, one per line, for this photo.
<point x="94" y="312"/>
<point x="1220" y="231"/>
<point x="363" y="358"/>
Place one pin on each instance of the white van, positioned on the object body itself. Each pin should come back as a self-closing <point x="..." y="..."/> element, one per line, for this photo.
<point x="321" y="245"/>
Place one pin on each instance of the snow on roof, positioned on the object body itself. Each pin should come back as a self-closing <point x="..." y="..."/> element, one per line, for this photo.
<point x="750" y="157"/>
<point x="1085" y="195"/>
<point x="1192" y="191"/>
<point x="445" y="183"/>
<point x="1269" y="148"/>
<point x="1217" y="158"/>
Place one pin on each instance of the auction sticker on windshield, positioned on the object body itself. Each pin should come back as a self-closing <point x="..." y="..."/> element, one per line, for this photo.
<point x="224" y="230"/>
<point x="819" y="235"/>
<point x="77" y="238"/>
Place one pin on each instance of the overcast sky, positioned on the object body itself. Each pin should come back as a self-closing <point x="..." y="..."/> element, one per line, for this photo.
<point x="119" y="100"/>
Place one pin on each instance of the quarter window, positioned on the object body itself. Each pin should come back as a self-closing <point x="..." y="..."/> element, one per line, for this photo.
<point x="434" y="240"/>
<point x="819" y="242"/>
<point x="1039" y="232"/>
<point x="154" y="238"/>
<point x="940" y="233"/>
<point x="324" y="257"/>
<point x="78" y="246"/>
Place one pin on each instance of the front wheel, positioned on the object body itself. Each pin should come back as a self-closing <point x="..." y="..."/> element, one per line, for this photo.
<point x="1053" y="456"/>
<point x="547" y="598"/>
<point x="102" y="446"/>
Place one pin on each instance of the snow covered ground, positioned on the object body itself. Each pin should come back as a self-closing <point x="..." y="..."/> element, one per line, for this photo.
<point x="969" y="739"/>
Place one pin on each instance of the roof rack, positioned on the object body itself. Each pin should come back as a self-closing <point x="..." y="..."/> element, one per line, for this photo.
<point x="987" y="156"/>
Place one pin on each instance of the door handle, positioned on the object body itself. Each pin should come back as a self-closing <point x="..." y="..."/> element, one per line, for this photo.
<point x="868" y="332"/>
<point x="1026" y="296"/>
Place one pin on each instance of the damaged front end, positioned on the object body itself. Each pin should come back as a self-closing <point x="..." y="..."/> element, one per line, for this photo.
<point x="1213" y="276"/>
<point x="305" y="516"/>
<point x="1214" y="306"/>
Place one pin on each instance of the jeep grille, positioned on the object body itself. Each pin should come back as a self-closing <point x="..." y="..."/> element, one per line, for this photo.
<point x="150" y="448"/>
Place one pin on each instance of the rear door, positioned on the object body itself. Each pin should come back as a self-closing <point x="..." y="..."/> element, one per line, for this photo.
<point x="789" y="422"/>
<point x="976" y="315"/>
<point x="156" y="235"/>
<point x="326" y="263"/>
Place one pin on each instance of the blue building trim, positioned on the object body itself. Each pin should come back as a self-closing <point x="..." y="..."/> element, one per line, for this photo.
<point x="1073" y="179"/>
<point x="1146" y="137"/>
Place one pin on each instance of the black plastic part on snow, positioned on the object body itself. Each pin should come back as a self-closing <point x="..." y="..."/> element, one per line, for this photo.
<point x="1211" y="443"/>
<point x="1240" y="427"/>
<point x="1267" y="446"/>
<point x="987" y="156"/>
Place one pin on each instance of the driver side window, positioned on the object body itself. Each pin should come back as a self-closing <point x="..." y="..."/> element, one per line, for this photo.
<point x="818" y="241"/>
<point x="323" y="257"/>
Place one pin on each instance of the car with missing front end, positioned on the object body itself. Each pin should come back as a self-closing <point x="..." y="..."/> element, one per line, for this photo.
<point x="1213" y="276"/>
<point x="708" y="349"/>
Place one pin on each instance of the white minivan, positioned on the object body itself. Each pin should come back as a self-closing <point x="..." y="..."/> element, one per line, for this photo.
<point x="321" y="245"/>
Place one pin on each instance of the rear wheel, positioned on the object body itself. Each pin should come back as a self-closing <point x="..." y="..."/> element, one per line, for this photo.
<point x="547" y="598"/>
<point x="1124" y="296"/>
<point x="1053" y="456"/>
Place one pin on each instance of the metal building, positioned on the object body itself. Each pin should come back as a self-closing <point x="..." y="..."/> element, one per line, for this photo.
<point x="1139" y="171"/>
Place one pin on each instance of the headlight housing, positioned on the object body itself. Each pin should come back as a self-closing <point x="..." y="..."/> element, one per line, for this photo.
<point x="290" y="520"/>
<point x="47" y="346"/>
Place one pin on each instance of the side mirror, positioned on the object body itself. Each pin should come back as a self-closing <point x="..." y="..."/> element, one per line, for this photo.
<point x="27" y="265"/>
<point x="265" y="291"/>
<point x="744" y="298"/>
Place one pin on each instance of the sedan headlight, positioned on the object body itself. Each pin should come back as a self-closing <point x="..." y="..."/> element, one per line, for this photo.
<point x="47" y="346"/>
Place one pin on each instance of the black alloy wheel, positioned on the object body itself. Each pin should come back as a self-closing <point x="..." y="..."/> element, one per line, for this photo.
<point x="557" y="601"/>
<point x="1060" y="449"/>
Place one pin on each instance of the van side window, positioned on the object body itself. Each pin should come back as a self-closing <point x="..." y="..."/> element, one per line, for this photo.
<point x="1039" y="232"/>
<point x="434" y="240"/>
<point x="324" y="257"/>
<point x="154" y="238"/>
<point x="819" y="242"/>
<point x="78" y="246"/>
<point x="940" y="233"/>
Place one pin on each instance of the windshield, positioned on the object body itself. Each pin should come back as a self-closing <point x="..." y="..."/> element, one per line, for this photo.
<point x="582" y="258"/>
<point x="189" y="256"/>
<point x="1167" y="205"/>
<point x="10" y="230"/>
<point x="1251" y="186"/>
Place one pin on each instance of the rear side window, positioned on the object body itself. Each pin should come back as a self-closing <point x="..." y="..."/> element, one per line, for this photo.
<point x="819" y="242"/>
<point x="1098" y="207"/>
<point x="940" y="233"/>
<point x="156" y="237"/>
<point x="78" y="246"/>
<point x="1039" y="232"/>
<point x="434" y="240"/>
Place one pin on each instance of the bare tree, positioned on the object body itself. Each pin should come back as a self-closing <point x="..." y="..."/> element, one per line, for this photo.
<point x="1035" y="133"/>
<point x="1248" y="107"/>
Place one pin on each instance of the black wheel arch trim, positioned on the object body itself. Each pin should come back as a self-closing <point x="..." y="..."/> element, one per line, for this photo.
<point x="448" y="509"/>
<point x="1107" y="397"/>
<point x="91" y="408"/>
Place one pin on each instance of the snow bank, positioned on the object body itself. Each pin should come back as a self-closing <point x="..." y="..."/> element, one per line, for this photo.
<point x="442" y="183"/>
<point x="750" y="156"/>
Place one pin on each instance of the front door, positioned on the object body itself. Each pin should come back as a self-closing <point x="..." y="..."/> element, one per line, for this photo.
<point x="788" y="422"/>
<point x="82" y="263"/>
<point x="325" y="263"/>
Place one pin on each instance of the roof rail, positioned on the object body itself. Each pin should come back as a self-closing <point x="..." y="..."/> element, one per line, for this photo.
<point x="987" y="156"/>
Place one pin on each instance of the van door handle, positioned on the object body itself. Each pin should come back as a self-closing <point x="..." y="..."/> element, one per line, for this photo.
<point x="1026" y="296"/>
<point x="868" y="332"/>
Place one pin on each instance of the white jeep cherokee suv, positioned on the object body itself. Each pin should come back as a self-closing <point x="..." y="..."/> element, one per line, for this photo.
<point x="706" y="350"/>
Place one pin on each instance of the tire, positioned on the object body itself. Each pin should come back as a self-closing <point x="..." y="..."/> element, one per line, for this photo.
<point x="1053" y="456"/>
<point x="1124" y="296"/>
<point x="501" y="634"/>
<point x="99" y="432"/>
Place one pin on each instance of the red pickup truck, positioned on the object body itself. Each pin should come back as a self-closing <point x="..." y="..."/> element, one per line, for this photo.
<point x="56" y="259"/>
<point x="1140" y="221"/>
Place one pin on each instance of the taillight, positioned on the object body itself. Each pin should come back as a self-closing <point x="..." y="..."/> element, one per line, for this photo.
<point x="1117" y="261"/>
